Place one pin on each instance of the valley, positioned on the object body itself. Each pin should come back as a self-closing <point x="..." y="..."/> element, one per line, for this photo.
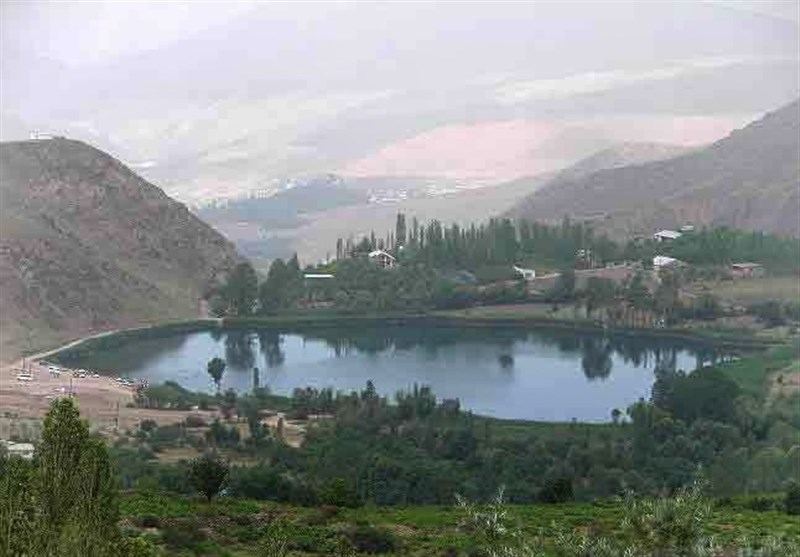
<point x="430" y="279"/>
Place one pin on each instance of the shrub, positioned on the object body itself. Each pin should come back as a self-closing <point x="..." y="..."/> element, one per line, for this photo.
<point x="324" y="514"/>
<point x="148" y="425"/>
<point x="338" y="492"/>
<point x="147" y="521"/>
<point x="195" y="421"/>
<point x="556" y="490"/>
<point x="371" y="539"/>
<point x="759" y="503"/>
<point x="137" y="547"/>
<point x="791" y="502"/>
<point x="183" y="535"/>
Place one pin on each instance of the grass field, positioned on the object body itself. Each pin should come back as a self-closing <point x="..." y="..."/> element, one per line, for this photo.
<point x="747" y="291"/>
<point x="236" y="528"/>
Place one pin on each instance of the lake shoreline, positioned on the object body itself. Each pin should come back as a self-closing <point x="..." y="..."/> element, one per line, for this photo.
<point x="299" y="323"/>
<point x="71" y="355"/>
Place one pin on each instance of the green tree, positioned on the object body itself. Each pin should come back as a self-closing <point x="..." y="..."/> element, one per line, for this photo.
<point x="228" y="403"/>
<point x="400" y="230"/>
<point x="665" y="298"/>
<point x="340" y="493"/>
<point x="283" y="287"/>
<point x="564" y="288"/>
<point x="241" y="289"/>
<point x="599" y="292"/>
<point x="208" y="474"/>
<point x="65" y="502"/>
<point x="17" y="507"/>
<point x="215" y="368"/>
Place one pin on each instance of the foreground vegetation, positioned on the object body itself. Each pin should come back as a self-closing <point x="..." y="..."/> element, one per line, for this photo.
<point x="722" y="423"/>
<point x="66" y="503"/>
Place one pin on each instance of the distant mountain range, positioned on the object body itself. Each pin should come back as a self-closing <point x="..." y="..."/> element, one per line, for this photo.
<point x="403" y="89"/>
<point x="749" y="179"/>
<point x="86" y="244"/>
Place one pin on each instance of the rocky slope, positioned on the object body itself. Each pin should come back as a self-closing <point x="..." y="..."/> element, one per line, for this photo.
<point x="86" y="244"/>
<point x="749" y="179"/>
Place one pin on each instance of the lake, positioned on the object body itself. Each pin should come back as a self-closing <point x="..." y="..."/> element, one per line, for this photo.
<point x="505" y="372"/>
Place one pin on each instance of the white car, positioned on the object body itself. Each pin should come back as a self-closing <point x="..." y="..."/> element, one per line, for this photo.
<point x="24" y="377"/>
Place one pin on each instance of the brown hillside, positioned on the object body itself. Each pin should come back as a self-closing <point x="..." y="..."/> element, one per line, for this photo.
<point x="750" y="179"/>
<point x="86" y="244"/>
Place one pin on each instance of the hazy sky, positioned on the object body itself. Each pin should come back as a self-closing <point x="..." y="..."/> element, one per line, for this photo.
<point x="207" y="97"/>
<point x="80" y="33"/>
<point x="85" y="32"/>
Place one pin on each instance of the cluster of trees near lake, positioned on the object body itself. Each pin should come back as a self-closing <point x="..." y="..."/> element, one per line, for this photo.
<point x="420" y="450"/>
<point x="455" y="266"/>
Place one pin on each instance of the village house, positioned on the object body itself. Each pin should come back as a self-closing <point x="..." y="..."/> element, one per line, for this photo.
<point x="666" y="235"/>
<point x="383" y="259"/>
<point x="747" y="270"/>
<point x="527" y="274"/>
<point x="22" y="450"/>
<point x="664" y="262"/>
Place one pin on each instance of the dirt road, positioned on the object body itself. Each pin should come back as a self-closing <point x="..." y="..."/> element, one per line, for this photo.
<point x="103" y="401"/>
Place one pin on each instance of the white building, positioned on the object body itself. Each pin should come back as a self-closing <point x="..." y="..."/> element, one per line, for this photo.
<point x="383" y="259"/>
<point x="666" y="235"/>
<point x="527" y="274"/>
<point x="662" y="261"/>
<point x="22" y="450"/>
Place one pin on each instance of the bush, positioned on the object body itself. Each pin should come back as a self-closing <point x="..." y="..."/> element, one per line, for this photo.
<point x="791" y="502"/>
<point x="148" y="425"/>
<point x="324" y="514"/>
<point x="166" y="435"/>
<point x="557" y="490"/>
<point x="760" y="503"/>
<point x="195" y="421"/>
<point x="137" y="547"/>
<point x="183" y="535"/>
<point x="147" y="521"/>
<point x="338" y="492"/>
<point x="370" y="539"/>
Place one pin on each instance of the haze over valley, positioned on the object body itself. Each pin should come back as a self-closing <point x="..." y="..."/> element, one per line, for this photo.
<point x="238" y="104"/>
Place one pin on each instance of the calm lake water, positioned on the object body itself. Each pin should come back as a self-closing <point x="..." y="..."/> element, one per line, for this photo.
<point x="506" y="373"/>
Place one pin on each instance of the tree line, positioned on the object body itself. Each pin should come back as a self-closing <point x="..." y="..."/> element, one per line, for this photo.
<point x="453" y="266"/>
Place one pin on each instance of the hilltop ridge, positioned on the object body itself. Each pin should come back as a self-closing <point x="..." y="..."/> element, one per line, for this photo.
<point x="749" y="179"/>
